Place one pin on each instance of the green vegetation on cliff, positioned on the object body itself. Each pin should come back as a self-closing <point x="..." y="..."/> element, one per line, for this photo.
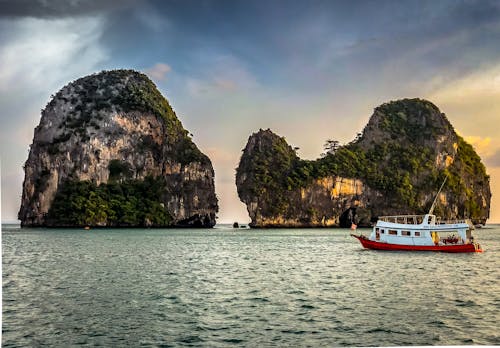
<point x="118" y="90"/>
<point x="467" y="165"/>
<point x="115" y="204"/>
<point x="269" y="170"/>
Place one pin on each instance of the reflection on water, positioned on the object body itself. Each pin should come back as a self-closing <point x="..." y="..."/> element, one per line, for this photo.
<point x="229" y="286"/>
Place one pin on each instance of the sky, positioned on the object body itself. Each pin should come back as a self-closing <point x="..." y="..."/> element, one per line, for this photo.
<point x="308" y="70"/>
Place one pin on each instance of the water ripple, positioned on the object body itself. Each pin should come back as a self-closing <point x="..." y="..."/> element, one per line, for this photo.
<point x="176" y="288"/>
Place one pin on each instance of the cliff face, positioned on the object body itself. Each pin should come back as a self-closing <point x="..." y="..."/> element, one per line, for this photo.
<point x="116" y="133"/>
<point x="395" y="166"/>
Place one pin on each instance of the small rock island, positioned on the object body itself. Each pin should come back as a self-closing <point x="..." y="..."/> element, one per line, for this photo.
<point x="394" y="167"/>
<point x="110" y="151"/>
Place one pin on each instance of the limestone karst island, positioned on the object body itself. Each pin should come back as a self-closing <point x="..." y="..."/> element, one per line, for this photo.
<point x="110" y="151"/>
<point x="393" y="167"/>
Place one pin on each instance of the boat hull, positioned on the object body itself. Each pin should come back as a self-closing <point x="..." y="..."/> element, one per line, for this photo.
<point x="453" y="248"/>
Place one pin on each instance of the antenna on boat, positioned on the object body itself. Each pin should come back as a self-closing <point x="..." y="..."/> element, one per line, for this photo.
<point x="437" y="195"/>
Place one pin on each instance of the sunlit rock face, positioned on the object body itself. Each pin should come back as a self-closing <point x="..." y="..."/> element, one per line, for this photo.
<point x="395" y="166"/>
<point x="117" y="134"/>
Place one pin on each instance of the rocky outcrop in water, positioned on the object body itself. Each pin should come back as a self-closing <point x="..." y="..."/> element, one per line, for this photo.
<point x="395" y="166"/>
<point x="110" y="151"/>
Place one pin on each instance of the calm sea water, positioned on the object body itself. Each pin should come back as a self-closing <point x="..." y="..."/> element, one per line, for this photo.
<point x="224" y="287"/>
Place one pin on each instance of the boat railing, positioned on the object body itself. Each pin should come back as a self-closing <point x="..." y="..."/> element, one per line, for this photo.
<point x="450" y="221"/>
<point x="403" y="219"/>
<point x="417" y="220"/>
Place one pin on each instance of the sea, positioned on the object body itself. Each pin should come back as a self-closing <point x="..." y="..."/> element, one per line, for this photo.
<point x="227" y="287"/>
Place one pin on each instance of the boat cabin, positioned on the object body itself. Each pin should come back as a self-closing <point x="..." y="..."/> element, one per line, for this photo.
<point x="421" y="230"/>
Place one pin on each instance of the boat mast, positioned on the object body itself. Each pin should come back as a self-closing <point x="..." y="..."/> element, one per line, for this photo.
<point x="435" y="199"/>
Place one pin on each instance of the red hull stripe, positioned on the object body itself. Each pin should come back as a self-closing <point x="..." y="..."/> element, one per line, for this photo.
<point x="460" y="248"/>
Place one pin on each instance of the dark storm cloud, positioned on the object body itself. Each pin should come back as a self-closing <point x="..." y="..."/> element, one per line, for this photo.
<point x="59" y="8"/>
<point x="335" y="36"/>
<point x="473" y="12"/>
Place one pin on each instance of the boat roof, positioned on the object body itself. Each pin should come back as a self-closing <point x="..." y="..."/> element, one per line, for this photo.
<point x="419" y="220"/>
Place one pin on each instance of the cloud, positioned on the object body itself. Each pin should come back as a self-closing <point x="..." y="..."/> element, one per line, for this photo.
<point x="225" y="85"/>
<point x="493" y="160"/>
<point x="483" y="146"/>
<point x="159" y="71"/>
<point x="38" y="57"/>
<point x="479" y="86"/>
<point x="58" y="8"/>
<point x="472" y="102"/>
<point x="152" y="19"/>
<point x="210" y="86"/>
<point x="222" y="74"/>
<point x="41" y="53"/>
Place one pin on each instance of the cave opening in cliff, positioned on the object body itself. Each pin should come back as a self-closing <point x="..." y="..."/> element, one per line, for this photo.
<point x="348" y="218"/>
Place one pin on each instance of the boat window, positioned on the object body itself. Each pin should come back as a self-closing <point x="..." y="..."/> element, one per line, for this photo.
<point x="382" y="231"/>
<point x="393" y="232"/>
<point x="376" y="229"/>
<point x="417" y="234"/>
<point x="405" y="233"/>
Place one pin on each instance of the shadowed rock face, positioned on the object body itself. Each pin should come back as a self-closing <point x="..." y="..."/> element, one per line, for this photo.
<point x="115" y="132"/>
<point x="395" y="166"/>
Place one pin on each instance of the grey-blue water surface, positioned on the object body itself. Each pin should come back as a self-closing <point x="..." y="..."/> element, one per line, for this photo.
<point x="252" y="288"/>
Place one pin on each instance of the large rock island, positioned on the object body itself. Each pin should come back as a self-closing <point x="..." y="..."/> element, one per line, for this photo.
<point x="394" y="167"/>
<point x="110" y="151"/>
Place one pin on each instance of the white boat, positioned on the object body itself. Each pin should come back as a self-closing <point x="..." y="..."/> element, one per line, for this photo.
<point x="421" y="233"/>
